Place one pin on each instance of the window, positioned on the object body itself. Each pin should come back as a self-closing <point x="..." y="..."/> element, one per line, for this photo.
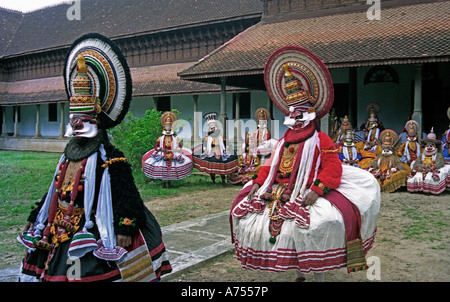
<point x="381" y="74"/>
<point x="52" y="112"/>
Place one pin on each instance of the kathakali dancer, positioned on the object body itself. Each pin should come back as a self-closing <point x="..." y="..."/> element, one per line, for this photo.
<point x="387" y="168"/>
<point x="92" y="224"/>
<point x="446" y="148"/>
<point x="410" y="150"/>
<point x="212" y="156"/>
<point x="429" y="172"/>
<point x="339" y="135"/>
<point x="305" y="211"/>
<point x="372" y="111"/>
<point x="370" y="143"/>
<point x="168" y="160"/>
<point x="348" y="153"/>
<point x="256" y="149"/>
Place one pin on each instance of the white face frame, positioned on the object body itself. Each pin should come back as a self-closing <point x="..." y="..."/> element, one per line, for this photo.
<point x="298" y="119"/>
<point x="81" y="125"/>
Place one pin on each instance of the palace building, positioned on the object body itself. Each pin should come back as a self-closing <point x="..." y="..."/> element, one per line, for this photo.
<point x="198" y="56"/>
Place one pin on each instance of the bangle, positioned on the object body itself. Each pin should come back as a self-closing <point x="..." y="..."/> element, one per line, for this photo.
<point x="127" y="221"/>
<point x="321" y="186"/>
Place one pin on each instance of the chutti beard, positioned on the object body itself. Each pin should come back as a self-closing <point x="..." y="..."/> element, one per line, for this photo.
<point x="81" y="147"/>
<point x="297" y="119"/>
<point x="81" y="126"/>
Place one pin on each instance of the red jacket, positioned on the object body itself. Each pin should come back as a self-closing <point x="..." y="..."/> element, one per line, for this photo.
<point x="330" y="169"/>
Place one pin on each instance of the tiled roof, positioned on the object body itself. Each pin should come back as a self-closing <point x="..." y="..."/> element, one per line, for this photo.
<point x="158" y="80"/>
<point x="9" y="22"/>
<point x="405" y="34"/>
<point x="49" y="28"/>
<point x="162" y="80"/>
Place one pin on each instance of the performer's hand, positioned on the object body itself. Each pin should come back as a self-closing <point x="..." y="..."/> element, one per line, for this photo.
<point x="253" y="190"/>
<point x="310" y="198"/>
<point x="123" y="240"/>
<point x="28" y="226"/>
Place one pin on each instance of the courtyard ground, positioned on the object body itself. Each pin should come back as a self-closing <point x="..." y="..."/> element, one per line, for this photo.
<point x="412" y="244"/>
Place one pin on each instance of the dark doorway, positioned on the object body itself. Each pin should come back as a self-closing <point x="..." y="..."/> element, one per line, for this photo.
<point x="434" y="107"/>
<point x="341" y="100"/>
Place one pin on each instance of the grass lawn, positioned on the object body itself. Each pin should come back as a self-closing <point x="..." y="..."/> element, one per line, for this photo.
<point x="26" y="176"/>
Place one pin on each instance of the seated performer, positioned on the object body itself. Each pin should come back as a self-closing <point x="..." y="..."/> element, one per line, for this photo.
<point x="348" y="153"/>
<point x="372" y="111"/>
<point x="334" y="124"/>
<point x="305" y="211"/>
<point x="212" y="157"/>
<point x="387" y="168"/>
<point x="446" y="142"/>
<point x="255" y="150"/>
<point x="248" y="164"/>
<point x="370" y="144"/>
<point x="93" y="212"/>
<point x="410" y="150"/>
<point x="429" y="171"/>
<point x="168" y="160"/>
<point x="339" y="137"/>
<point x="445" y="149"/>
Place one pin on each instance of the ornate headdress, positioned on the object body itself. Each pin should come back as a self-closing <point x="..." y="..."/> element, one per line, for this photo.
<point x="431" y="138"/>
<point x="97" y="79"/>
<point x="294" y="76"/>
<point x="348" y="136"/>
<point x="168" y="118"/>
<point x="412" y="127"/>
<point x="262" y="114"/>
<point x="372" y="108"/>
<point x="210" y="117"/>
<point x="388" y="138"/>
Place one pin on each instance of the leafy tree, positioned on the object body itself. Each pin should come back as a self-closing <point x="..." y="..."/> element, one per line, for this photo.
<point x="135" y="136"/>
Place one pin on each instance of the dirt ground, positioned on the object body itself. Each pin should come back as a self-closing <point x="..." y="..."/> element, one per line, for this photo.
<point x="412" y="241"/>
<point x="412" y="244"/>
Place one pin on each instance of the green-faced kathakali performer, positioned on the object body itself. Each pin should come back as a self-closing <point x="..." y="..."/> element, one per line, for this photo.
<point x="92" y="224"/>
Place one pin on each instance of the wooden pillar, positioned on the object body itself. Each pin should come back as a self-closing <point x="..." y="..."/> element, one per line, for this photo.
<point x="4" y="132"/>
<point x="417" y="113"/>
<point x="223" y="105"/>
<point x="38" y="121"/>
<point x="197" y="117"/>
<point x="16" y="121"/>
<point x="62" y="127"/>
<point x="237" y="122"/>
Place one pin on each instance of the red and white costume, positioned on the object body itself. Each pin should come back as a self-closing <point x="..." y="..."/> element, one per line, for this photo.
<point x="273" y="229"/>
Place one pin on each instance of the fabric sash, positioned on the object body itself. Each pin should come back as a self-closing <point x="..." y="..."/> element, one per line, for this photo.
<point x="136" y="265"/>
<point x="107" y="250"/>
<point x="356" y="259"/>
<point x="84" y="241"/>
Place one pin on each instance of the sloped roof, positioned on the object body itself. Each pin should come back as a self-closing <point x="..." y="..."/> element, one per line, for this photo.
<point x="9" y="22"/>
<point x="50" y="28"/>
<point x="405" y="34"/>
<point x="158" y="80"/>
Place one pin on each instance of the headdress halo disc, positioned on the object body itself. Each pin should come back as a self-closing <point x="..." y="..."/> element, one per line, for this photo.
<point x="109" y="72"/>
<point x="308" y="69"/>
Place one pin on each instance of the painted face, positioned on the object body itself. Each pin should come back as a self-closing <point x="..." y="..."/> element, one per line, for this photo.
<point x="167" y="130"/>
<point x="298" y="118"/>
<point x="430" y="149"/>
<point x="387" y="151"/>
<point x="81" y="125"/>
<point x="262" y="124"/>
<point x="411" y="138"/>
<point x="348" y="142"/>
